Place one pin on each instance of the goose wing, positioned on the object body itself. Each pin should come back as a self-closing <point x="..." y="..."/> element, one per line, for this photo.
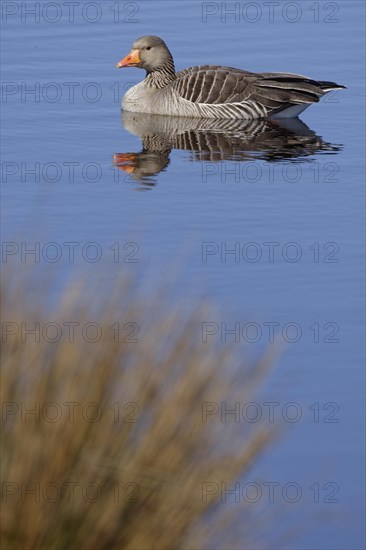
<point x="214" y="84"/>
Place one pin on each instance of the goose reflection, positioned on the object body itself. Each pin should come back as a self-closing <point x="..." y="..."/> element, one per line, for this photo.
<point x="209" y="140"/>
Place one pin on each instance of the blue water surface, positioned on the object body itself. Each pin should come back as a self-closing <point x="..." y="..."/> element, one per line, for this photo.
<point x="61" y="126"/>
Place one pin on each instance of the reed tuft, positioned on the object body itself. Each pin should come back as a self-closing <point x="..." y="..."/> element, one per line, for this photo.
<point x="105" y="443"/>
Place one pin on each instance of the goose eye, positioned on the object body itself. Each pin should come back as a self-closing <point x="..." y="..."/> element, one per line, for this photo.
<point x="148" y="48"/>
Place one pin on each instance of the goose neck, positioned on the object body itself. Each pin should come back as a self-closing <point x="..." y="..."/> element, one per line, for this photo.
<point x="161" y="76"/>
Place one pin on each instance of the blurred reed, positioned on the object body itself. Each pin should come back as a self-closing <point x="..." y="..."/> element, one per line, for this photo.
<point x="117" y="452"/>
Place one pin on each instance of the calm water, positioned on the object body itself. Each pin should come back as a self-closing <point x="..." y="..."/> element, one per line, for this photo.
<point x="287" y="199"/>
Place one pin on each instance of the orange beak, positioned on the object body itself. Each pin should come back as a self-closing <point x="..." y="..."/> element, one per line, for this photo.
<point x="131" y="60"/>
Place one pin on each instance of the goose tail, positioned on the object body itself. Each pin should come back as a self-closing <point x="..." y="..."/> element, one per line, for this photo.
<point x="329" y="86"/>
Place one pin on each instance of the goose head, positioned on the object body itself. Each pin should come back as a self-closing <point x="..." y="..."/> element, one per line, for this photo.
<point x="149" y="53"/>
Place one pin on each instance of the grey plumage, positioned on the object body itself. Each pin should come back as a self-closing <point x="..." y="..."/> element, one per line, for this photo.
<point x="214" y="91"/>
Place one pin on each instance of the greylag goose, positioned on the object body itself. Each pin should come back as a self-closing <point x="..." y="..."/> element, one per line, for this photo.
<point x="214" y="91"/>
